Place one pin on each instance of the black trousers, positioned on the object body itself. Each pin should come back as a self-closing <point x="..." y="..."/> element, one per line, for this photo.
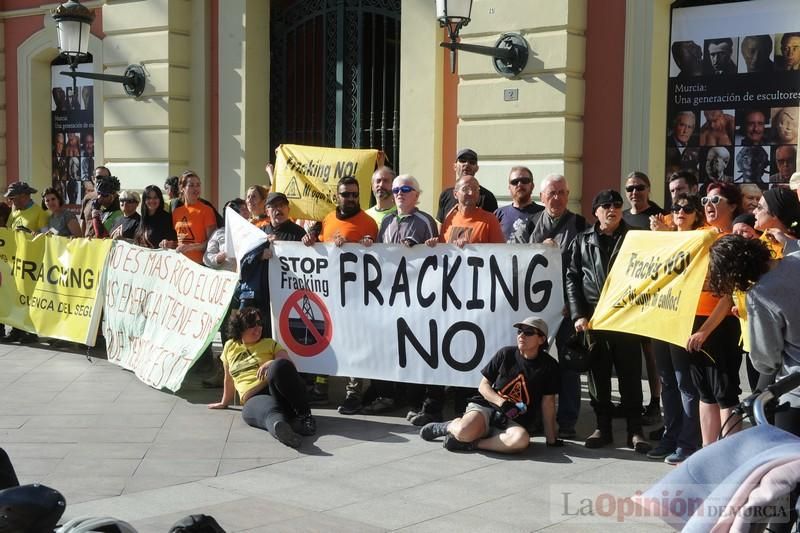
<point x="285" y="397"/>
<point x="620" y="352"/>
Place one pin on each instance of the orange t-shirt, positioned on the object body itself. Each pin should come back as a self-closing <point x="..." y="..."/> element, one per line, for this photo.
<point x="191" y="223"/>
<point x="707" y="301"/>
<point x="478" y="227"/>
<point x="352" y="229"/>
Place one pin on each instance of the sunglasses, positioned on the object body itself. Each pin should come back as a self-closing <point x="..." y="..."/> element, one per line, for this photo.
<point x="714" y="200"/>
<point x="609" y="205"/>
<point x="638" y="188"/>
<point x="128" y="201"/>
<point x="529" y="332"/>
<point x="348" y="195"/>
<point x="517" y="181"/>
<point x="685" y="208"/>
<point x="405" y="189"/>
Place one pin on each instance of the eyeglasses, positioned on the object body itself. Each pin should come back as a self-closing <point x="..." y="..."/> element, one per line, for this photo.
<point x="685" y="208"/>
<point x="638" y="188"/>
<point x="517" y="181"/>
<point x="405" y="189"/>
<point x="128" y="201"/>
<point x="352" y="195"/>
<point x="712" y="199"/>
<point x="609" y="205"/>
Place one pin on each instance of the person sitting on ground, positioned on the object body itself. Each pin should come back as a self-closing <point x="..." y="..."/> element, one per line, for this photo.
<point x="516" y="383"/>
<point x="62" y="222"/>
<point x="155" y="226"/>
<point x="271" y="390"/>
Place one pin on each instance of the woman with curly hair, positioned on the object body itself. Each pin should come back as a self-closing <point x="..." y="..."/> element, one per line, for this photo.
<point x="713" y="352"/>
<point x="739" y="264"/>
<point x="273" y="393"/>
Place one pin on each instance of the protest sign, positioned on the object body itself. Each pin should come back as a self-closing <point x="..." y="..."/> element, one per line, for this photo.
<point x="421" y="315"/>
<point x="654" y="285"/>
<point x="161" y="311"/>
<point x="308" y="175"/>
<point x="51" y="285"/>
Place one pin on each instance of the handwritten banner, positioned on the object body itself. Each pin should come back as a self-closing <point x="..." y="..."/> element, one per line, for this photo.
<point x="49" y="284"/>
<point x="420" y="315"/>
<point x="161" y="312"/>
<point x="654" y="285"/>
<point x="308" y="176"/>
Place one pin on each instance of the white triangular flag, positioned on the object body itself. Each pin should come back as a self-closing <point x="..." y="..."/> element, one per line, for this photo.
<point x="240" y="236"/>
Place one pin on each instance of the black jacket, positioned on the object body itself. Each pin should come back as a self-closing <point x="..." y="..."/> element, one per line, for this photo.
<point x="587" y="272"/>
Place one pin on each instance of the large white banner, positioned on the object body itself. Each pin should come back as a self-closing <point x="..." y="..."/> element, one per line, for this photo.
<point x="161" y="311"/>
<point x="420" y="315"/>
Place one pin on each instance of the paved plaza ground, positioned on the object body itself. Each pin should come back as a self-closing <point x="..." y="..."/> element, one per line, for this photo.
<point x="114" y="446"/>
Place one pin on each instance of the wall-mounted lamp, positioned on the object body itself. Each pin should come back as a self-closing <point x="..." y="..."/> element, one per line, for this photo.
<point x="73" y="22"/>
<point x="509" y="54"/>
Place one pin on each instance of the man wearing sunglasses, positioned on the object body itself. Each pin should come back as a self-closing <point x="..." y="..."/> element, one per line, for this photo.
<point x="592" y="255"/>
<point x="637" y="189"/>
<point x="348" y="223"/>
<point x="466" y="165"/>
<point x="514" y="215"/>
<point x="408" y="226"/>
<point x="518" y="382"/>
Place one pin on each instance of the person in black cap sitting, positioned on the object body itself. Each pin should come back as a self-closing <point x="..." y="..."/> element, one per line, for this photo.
<point x="592" y="254"/>
<point x="466" y="165"/>
<point x="517" y="382"/>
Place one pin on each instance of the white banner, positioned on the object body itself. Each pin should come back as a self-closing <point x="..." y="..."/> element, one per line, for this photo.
<point x="161" y="311"/>
<point x="419" y="315"/>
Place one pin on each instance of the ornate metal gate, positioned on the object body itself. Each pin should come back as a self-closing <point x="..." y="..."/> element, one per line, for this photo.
<point x="335" y="74"/>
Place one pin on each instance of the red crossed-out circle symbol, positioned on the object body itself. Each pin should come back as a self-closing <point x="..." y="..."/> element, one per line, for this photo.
<point x="307" y="335"/>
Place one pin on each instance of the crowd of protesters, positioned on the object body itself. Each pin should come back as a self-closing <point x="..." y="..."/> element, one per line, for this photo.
<point x="693" y="388"/>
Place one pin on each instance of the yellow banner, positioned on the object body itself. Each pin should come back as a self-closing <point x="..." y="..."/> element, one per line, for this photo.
<point x="308" y="175"/>
<point x="654" y="285"/>
<point x="48" y="284"/>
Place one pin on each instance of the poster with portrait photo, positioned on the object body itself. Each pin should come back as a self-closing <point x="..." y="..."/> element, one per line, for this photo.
<point x="730" y="65"/>
<point x="783" y="163"/>
<point x="72" y="130"/>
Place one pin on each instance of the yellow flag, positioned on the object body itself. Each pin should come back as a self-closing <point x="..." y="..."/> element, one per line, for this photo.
<point x="655" y="283"/>
<point x="308" y="175"/>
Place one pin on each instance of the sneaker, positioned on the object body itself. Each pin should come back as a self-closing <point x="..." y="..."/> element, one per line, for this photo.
<point x="317" y="396"/>
<point x="678" y="457"/>
<point x="351" y="405"/>
<point x="567" y="432"/>
<point x="286" y="435"/>
<point x="425" y="418"/>
<point x="16" y="335"/>
<point x="380" y="405"/>
<point x="306" y="425"/>
<point x="454" y="445"/>
<point x="661" y="452"/>
<point x="433" y="430"/>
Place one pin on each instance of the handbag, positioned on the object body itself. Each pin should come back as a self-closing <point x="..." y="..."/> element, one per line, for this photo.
<point x="578" y="352"/>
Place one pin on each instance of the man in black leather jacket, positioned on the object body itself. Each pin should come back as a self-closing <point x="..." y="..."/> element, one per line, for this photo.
<point x="591" y="256"/>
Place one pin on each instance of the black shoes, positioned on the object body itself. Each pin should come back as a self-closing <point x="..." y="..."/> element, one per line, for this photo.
<point x="598" y="439"/>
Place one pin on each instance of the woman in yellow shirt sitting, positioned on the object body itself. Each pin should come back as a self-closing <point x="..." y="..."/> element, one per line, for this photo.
<point x="271" y="390"/>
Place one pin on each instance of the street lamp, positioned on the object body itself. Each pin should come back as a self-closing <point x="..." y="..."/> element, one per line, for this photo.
<point x="73" y="23"/>
<point x="509" y="54"/>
